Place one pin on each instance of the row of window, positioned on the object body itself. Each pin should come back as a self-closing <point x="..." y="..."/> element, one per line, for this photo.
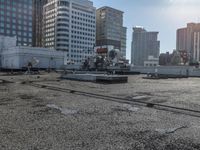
<point x="83" y="24"/>
<point x="81" y="51"/>
<point x="14" y="32"/>
<point x="82" y="42"/>
<point x="63" y="49"/>
<point x="90" y="48"/>
<point x="83" y="19"/>
<point x="18" y="3"/>
<point x="76" y="61"/>
<point x="62" y="40"/>
<point x="62" y="19"/>
<point x="62" y="45"/>
<point x="83" y="33"/>
<point x="63" y="9"/>
<point x="82" y="38"/>
<point x="62" y="34"/>
<point x="50" y="44"/>
<point x="83" y="14"/>
<point x="62" y="30"/>
<point x="19" y="39"/>
<point x="63" y="24"/>
<point x="50" y="7"/>
<point x="63" y="3"/>
<point x="16" y="9"/>
<point x="24" y="44"/>
<point x="16" y="21"/>
<point x="15" y="15"/>
<point x="14" y="27"/>
<point x="78" y="56"/>
<point x="81" y="28"/>
<point x="83" y="10"/>
<point x="63" y="15"/>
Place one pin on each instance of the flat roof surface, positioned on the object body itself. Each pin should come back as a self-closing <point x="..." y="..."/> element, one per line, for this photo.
<point x="39" y="118"/>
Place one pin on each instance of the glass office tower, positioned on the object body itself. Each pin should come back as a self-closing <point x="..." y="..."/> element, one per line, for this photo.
<point x="37" y="22"/>
<point x="16" y="20"/>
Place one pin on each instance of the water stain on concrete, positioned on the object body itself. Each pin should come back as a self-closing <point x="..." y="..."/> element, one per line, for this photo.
<point x="64" y="111"/>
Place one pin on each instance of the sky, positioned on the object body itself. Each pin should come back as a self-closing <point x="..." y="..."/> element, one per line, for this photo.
<point x="164" y="16"/>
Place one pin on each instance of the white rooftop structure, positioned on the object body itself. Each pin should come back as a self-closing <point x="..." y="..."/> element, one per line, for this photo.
<point x="18" y="57"/>
<point x="151" y="62"/>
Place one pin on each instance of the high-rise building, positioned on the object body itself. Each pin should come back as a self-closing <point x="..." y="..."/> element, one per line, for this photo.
<point x="123" y="41"/>
<point x="110" y="30"/>
<point x="187" y="39"/>
<point x="37" y="22"/>
<point x="144" y="44"/>
<point x="70" y="26"/>
<point x="181" y="39"/>
<point x="16" y="20"/>
<point x="196" y="46"/>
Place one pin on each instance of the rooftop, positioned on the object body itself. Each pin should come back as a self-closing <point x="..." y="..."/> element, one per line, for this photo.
<point x="49" y="113"/>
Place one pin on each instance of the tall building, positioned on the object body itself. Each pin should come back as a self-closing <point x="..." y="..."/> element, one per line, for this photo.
<point x="181" y="39"/>
<point x="144" y="44"/>
<point x="37" y="22"/>
<point x="123" y="41"/>
<point x="187" y="39"/>
<point x="70" y="26"/>
<point x="110" y="30"/>
<point x="16" y="20"/>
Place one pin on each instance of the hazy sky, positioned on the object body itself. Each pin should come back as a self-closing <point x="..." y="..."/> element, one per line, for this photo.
<point x="164" y="16"/>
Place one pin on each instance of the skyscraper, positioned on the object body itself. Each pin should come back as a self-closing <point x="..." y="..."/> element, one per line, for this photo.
<point x="188" y="39"/>
<point x="110" y="30"/>
<point x="123" y="41"/>
<point x="37" y="22"/>
<point x="16" y="20"/>
<point x="144" y="44"/>
<point x="70" y="26"/>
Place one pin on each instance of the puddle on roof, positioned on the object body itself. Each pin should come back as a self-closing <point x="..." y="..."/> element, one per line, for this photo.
<point x="64" y="111"/>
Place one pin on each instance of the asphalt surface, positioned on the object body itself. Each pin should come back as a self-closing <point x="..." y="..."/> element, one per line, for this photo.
<point x="40" y="119"/>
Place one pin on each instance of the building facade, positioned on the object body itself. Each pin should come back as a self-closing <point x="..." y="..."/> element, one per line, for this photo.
<point x="165" y="59"/>
<point x="187" y="39"/>
<point x="19" y="57"/>
<point x="123" y="41"/>
<point x="5" y="43"/>
<point x="16" y="20"/>
<point x="144" y="44"/>
<point x="181" y="39"/>
<point x="196" y="46"/>
<point x="37" y="22"/>
<point x="110" y="30"/>
<point x="151" y="62"/>
<point x="70" y="26"/>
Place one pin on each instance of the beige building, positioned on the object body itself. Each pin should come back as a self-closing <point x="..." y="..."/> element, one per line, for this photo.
<point x="188" y="39"/>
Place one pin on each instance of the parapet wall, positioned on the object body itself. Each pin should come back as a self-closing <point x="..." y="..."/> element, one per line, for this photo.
<point x="169" y="70"/>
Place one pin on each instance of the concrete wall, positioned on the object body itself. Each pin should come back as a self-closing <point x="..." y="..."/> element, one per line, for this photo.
<point x="6" y="42"/>
<point x="18" y="57"/>
<point x="168" y="70"/>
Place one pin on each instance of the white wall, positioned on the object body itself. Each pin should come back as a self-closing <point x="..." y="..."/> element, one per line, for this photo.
<point x="169" y="70"/>
<point x="18" y="57"/>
